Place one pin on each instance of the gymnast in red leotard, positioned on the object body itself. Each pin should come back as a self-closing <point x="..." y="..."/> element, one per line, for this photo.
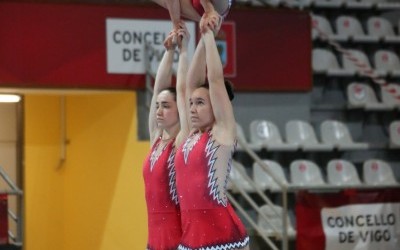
<point x="204" y="160"/>
<point x="164" y="224"/>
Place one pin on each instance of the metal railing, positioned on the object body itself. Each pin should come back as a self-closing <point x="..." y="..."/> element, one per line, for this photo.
<point x="277" y="233"/>
<point x="16" y="217"/>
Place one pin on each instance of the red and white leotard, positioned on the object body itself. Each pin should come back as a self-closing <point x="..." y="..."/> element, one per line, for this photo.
<point x="164" y="224"/>
<point x="208" y="220"/>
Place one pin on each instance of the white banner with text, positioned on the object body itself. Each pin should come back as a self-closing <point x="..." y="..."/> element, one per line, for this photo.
<point x="130" y="40"/>
<point x="364" y="226"/>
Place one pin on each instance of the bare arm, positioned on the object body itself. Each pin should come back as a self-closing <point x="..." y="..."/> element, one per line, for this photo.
<point x="181" y="97"/>
<point x="225" y="126"/>
<point x="210" y="19"/>
<point x="162" y="81"/>
<point x="197" y="70"/>
<point x="174" y="10"/>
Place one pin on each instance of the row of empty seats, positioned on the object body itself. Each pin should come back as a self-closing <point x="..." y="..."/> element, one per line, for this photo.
<point x="307" y="174"/>
<point x="349" y="27"/>
<point x="386" y="63"/>
<point x="362" y="95"/>
<point x="300" y="135"/>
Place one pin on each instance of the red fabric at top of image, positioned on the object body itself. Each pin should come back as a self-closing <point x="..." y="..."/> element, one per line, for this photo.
<point x="60" y="45"/>
<point x="64" y="46"/>
<point x="273" y="49"/>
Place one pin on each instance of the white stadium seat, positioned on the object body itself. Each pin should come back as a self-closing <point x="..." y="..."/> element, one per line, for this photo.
<point x="342" y="173"/>
<point x="301" y="133"/>
<point x="299" y="3"/>
<point x="381" y="28"/>
<point x="379" y="4"/>
<point x="387" y="4"/>
<point x="273" y="227"/>
<point x="264" y="180"/>
<point x="372" y="1"/>
<point x="337" y="134"/>
<point x="266" y="134"/>
<point x="238" y="179"/>
<point x="367" y="4"/>
<point x="324" y="61"/>
<point x="361" y="95"/>
<point x="378" y="172"/>
<point x="350" y="26"/>
<point x="387" y="62"/>
<point x="241" y="136"/>
<point x="351" y="66"/>
<point x="391" y="94"/>
<point x="305" y="173"/>
<point x="268" y="2"/>
<point x="323" y="25"/>
<point x="394" y="134"/>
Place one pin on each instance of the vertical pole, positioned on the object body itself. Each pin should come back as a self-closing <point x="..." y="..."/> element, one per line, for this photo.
<point x="63" y="136"/>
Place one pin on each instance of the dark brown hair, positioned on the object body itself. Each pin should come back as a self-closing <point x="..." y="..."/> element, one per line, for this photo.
<point x="171" y="90"/>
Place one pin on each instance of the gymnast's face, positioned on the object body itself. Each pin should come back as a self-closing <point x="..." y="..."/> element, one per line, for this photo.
<point x="166" y="110"/>
<point x="201" y="112"/>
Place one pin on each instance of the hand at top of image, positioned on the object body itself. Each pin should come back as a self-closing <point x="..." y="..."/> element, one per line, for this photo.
<point x="183" y="36"/>
<point x="170" y="41"/>
<point x="211" y="20"/>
